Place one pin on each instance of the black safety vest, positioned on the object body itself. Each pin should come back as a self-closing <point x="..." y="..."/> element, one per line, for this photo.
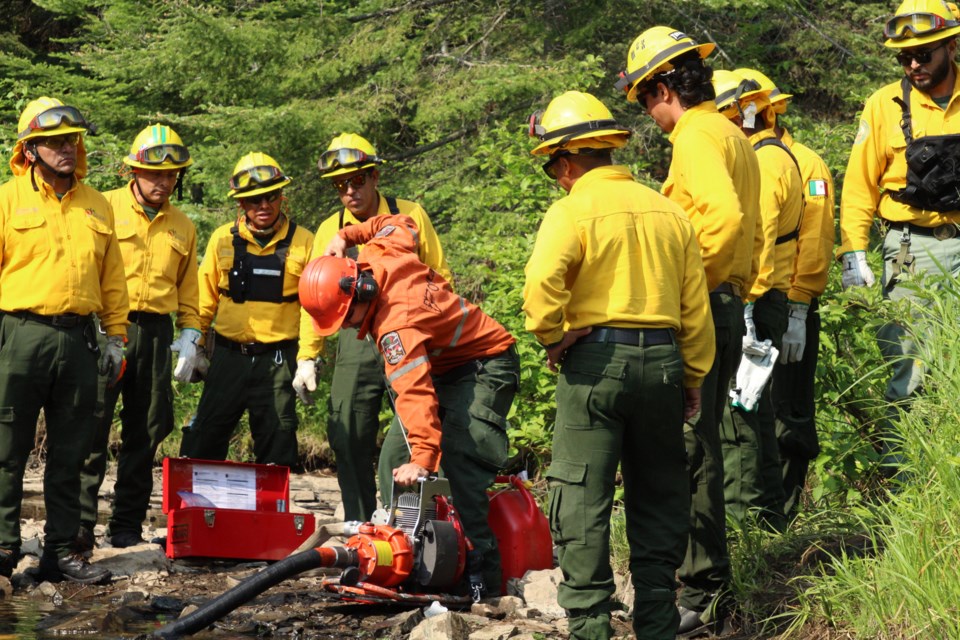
<point x="933" y="165"/>
<point x="793" y="235"/>
<point x="353" y="252"/>
<point x="259" y="278"/>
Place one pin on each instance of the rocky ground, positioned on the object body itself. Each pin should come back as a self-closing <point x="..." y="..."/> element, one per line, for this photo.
<point x="149" y="590"/>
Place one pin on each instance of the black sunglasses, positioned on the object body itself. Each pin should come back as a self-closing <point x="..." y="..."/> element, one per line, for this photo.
<point x="548" y="165"/>
<point x="923" y="56"/>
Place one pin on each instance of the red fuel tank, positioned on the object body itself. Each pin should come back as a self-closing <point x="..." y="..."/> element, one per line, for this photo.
<point x="522" y="531"/>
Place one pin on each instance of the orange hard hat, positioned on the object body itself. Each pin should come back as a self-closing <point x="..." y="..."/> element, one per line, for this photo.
<point x="326" y="291"/>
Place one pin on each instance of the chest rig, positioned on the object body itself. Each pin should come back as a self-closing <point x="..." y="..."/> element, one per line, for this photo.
<point x="933" y="165"/>
<point x="259" y="278"/>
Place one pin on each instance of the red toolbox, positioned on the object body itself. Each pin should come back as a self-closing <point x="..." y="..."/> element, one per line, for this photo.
<point x="236" y="510"/>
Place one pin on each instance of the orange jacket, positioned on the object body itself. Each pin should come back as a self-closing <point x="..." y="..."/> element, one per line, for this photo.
<point x="421" y="327"/>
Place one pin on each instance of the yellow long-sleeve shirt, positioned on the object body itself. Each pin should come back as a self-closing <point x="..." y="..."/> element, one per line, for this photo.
<point x="781" y="208"/>
<point x="614" y="252"/>
<point x="878" y="162"/>
<point x="159" y="257"/>
<point x="815" y="244"/>
<point x="715" y="177"/>
<point x="255" y="320"/>
<point x="60" y="256"/>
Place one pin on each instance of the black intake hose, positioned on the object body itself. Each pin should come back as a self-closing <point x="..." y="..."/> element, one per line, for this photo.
<point x="254" y="586"/>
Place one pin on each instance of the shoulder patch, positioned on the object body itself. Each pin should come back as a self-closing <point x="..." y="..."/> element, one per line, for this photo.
<point x="817" y="188"/>
<point x="392" y="347"/>
<point x="862" y="132"/>
<point x="387" y="230"/>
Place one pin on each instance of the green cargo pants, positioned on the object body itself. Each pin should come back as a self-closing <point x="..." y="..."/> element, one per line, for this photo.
<point x="706" y="567"/>
<point x="55" y="369"/>
<point x="260" y="384"/>
<point x="795" y="409"/>
<point x="474" y="402"/>
<point x="896" y="341"/>
<point x="146" y="418"/>
<point x="619" y="405"/>
<point x="751" y="457"/>
<point x="356" y="397"/>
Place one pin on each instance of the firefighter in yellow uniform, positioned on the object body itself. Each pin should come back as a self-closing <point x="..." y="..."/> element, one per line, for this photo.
<point x="714" y="176"/>
<point x="264" y="348"/>
<point x="159" y="247"/>
<point x="916" y="199"/>
<point x="59" y="264"/>
<point x="751" y="457"/>
<point x="356" y="392"/>
<point x="632" y="354"/>
<point x="794" y="373"/>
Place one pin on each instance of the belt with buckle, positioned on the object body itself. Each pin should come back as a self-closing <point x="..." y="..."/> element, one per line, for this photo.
<point x="729" y="288"/>
<point x="63" y="321"/>
<point x="253" y="348"/>
<point x="146" y="316"/>
<point x="636" y="337"/>
<point x="940" y="232"/>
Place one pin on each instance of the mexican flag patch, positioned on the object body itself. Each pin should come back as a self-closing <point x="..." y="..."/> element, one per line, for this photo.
<point x="817" y="188"/>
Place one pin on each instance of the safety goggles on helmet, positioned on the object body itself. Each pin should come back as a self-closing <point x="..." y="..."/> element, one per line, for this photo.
<point x="355" y="181"/>
<point x="159" y="154"/>
<point x="922" y="56"/>
<point x="732" y="96"/>
<point x="53" y="118"/>
<point x="260" y="176"/>
<point x="343" y="158"/>
<point x="916" y="24"/>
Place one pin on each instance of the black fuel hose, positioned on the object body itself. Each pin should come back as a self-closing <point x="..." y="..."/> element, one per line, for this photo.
<point x="256" y="584"/>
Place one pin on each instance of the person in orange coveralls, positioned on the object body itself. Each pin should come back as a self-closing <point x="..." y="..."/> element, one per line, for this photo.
<point x="453" y="369"/>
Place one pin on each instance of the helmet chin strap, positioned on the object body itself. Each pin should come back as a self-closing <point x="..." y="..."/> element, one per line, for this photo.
<point x="43" y="163"/>
<point x="143" y="197"/>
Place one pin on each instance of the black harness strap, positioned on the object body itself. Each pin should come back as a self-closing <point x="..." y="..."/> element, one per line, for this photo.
<point x="766" y="142"/>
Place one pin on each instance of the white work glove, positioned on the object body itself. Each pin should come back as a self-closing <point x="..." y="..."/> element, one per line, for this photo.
<point x="111" y="360"/>
<point x="306" y="380"/>
<point x="856" y="272"/>
<point x="750" y="335"/>
<point x="754" y="371"/>
<point x="795" y="337"/>
<point x="186" y="346"/>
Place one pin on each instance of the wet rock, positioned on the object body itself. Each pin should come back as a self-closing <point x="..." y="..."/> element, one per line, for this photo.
<point x="539" y="591"/>
<point x="119" y="620"/>
<point x="446" y="626"/>
<point x="86" y="622"/>
<point x="6" y="588"/>
<point x="132" y="596"/>
<point x="44" y="590"/>
<point x="495" y="632"/>
<point x="166" y="604"/>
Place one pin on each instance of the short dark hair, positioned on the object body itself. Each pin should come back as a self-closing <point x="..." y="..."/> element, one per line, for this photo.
<point x="690" y="78"/>
<point x="592" y="158"/>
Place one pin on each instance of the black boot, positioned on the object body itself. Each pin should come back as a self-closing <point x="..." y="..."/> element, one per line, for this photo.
<point x="8" y="561"/>
<point x="73" y="567"/>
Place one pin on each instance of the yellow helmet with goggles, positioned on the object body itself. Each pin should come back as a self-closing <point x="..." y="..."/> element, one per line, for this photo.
<point x="778" y="99"/>
<point x="919" y="22"/>
<point x="651" y="53"/>
<point x="254" y="174"/>
<point x="347" y="152"/>
<point x="576" y="120"/>
<point x="158" y="147"/>
<point x="734" y="92"/>
<point x="43" y="118"/>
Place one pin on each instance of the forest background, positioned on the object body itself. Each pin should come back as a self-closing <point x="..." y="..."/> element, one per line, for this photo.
<point x="444" y="88"/>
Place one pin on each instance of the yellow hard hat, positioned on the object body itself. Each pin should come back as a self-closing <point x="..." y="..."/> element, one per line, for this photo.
<point x="919" y="22"/>
<point x="733" y="90"/>
<point x="254" y="174"/>
<point x="778" y="99"/>
<point x="158" y="147"/>
<point x="576" y="120"/>
<point x="348" y="152"/>
<point x="652" y="52"/>
<point x="45" y="117"/>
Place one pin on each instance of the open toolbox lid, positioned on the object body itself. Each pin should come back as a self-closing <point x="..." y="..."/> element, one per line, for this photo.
<point x="189" y="482"/>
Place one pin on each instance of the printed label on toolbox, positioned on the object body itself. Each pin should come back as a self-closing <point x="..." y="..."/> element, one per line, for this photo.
<point x="226" y="487"/>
